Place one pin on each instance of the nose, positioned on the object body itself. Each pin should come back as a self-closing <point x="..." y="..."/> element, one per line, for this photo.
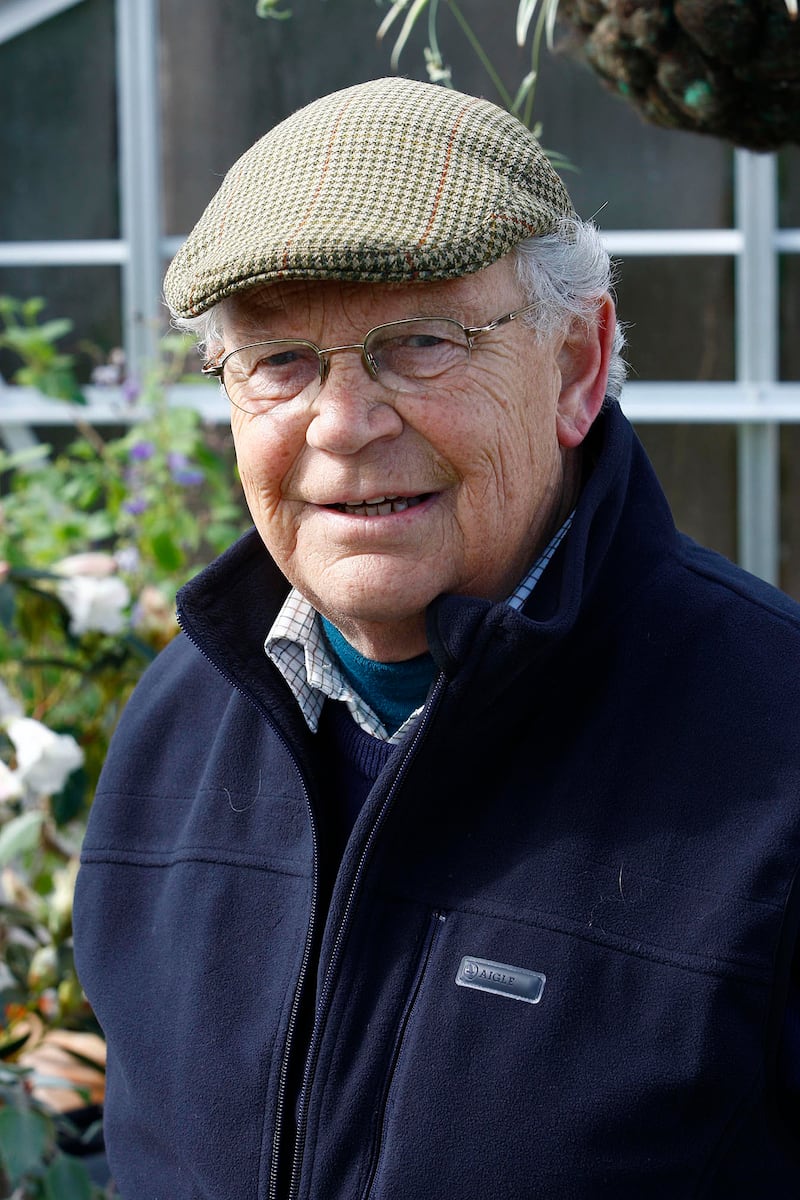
<point x="351" y="410"/>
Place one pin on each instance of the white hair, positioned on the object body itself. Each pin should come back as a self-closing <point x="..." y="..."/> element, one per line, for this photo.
<point x="205" y="329"/>
<point x="565" y="274"/>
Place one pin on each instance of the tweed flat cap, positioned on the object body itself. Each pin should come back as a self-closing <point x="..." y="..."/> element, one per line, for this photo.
<point x="390" y="180"/>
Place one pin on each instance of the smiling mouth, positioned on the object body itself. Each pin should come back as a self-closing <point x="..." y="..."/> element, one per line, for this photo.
<point x="380" y="506"/>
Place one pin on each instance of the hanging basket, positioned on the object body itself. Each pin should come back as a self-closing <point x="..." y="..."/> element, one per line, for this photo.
<point x="730" y="68"/>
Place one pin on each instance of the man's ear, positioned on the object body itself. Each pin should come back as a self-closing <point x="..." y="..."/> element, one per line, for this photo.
<point x="583" y="360"/>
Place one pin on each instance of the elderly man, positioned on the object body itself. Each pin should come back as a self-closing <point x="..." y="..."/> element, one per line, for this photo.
<point x="450" y="850"/>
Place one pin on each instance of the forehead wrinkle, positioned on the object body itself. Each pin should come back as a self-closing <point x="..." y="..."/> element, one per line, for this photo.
<point x="256" y="310"/>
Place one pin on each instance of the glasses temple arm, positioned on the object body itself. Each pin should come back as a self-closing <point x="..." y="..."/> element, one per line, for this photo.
<point x="512" y="316"/>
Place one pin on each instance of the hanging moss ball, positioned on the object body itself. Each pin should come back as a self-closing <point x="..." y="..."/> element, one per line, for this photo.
<point x="730" y="68"/>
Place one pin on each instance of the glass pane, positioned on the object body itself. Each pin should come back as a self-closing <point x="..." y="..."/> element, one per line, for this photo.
<point x="789" y="276"/>
<point x="790" y="510"/>
<point x="88" y="296"/>
<point x="789" y="188"/>
<point x="696" y="465"/>
<point x="58" y="134"/>
<point x="680" y="316"/>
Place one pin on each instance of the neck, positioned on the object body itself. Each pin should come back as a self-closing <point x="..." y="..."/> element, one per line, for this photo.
<point x="387" y="641"/>
<point x="393" y="689"/>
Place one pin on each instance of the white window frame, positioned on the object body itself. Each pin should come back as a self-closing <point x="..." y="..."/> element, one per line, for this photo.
<point x="755" y="401"/>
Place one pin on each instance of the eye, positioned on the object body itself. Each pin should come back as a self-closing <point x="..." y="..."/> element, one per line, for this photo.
<point x="420" y="350"/>
<point x="280" y="359"/>
<point x="276" y="370"/>
<point x="423" y="341"/>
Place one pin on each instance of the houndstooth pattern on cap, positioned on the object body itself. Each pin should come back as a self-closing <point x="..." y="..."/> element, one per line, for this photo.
<point x="390" y="180"/>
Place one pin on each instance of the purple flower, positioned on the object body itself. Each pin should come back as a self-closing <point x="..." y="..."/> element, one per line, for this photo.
<point x="128" y="559"/>
<point x="141" y="451"/>
<point x="182" y="471"/>
<point x="190" y="477"/>
<point x="130" y="390"/>
<point x="135" y="507"/>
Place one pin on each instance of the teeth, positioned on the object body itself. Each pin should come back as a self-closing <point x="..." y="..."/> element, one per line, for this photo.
<point x="380" y="506"/>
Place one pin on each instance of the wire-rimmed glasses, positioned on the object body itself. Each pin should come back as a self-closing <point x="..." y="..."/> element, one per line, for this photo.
<point x="403" y="356"/>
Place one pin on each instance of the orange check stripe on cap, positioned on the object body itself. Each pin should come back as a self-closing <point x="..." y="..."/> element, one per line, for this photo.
<point x="313" y="201"/>
<point x="443" y="175"/>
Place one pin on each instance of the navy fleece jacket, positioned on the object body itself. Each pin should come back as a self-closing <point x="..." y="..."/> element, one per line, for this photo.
<point x="604" y="792"/>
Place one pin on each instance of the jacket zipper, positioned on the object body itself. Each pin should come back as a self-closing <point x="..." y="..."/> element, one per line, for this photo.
<point x="280" y="1103"/>
<point x="311" y="1061"/>
<point x="316" y="1034"/>
<point x="434" y="926"/>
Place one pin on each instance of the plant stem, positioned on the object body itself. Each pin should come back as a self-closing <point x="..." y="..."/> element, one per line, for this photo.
<point x="486" y="62"/>
<point x="536" y="46"/>
<point x="92" y="436"/>
<point x="52" y="842"/>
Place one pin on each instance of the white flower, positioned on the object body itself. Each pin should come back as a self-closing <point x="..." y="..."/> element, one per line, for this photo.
<point x="94" y="604"/>
<point x="44" y="759"/>
<point x="10" y="786"/>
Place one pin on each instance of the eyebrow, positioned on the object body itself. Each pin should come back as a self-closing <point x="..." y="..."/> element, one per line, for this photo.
<point x="259" y="322"/>
<point x="256" y="314"/>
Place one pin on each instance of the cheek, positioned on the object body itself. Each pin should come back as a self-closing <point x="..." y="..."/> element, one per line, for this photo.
<point x="266" y="452"/>
<point x="505" y="459"/>
<point x="513" y="470"/>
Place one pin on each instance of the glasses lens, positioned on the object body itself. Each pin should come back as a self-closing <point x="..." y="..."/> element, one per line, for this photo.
<point x="267" y="373"/>
<point x="407" y="354"/>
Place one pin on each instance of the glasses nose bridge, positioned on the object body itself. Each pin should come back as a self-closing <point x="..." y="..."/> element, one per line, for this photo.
<point x="366" y="359"/>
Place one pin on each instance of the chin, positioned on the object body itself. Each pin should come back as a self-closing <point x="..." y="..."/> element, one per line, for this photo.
<point x="374" y="591"/>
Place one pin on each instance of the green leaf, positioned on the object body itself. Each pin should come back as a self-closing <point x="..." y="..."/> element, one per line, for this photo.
<point x="524" y="17"/>
<point x="29" y="456"/>
<point x="31" y="308"/>
<point x="8" y="605"/>
<point x="269" y="8"/>
<point x="388" y="20"/>
<point x="18" y="959"/>
<point x="19" y="835"/>
<point x="67" y="1179"/>
<point x="167" y="552"/>
<point x="417" y="8"/>
<point x="547" y="19"/>
<point x="10" y="1048"/>
<point x="523" y="91"/>
<point x="69" y="802"/>
<point x="12" y="914"/>
<point x="24" y="1137"/>
<point x="51" y="331"/>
